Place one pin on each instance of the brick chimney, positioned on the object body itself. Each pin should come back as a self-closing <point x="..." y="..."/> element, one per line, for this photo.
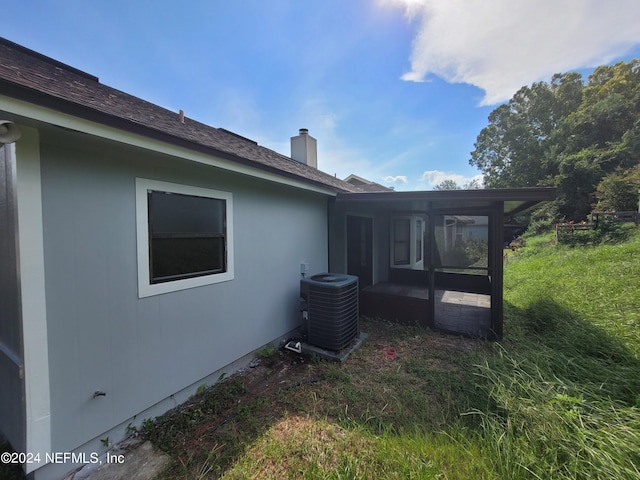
<point x="304" y="148"/>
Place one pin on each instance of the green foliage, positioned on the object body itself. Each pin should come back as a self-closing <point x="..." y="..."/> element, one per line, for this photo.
<point x="577" y="175"/>
<point x="618" y="192"/>
<point x="467" y="253"/>
<point x="543" y="219"/>
<point x="477" y="252"/>
<point x="267" y="351"/>
<point x="185" y="418"/>
<point x="513" y="150"/>
<point x="565" y="134"/>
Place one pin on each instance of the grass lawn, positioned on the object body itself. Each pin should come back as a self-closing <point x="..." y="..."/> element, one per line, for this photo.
<point x="558" y="398"/>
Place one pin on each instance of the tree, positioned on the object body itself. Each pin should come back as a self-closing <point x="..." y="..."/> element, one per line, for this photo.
<point x="566" y="134"/>
<point x="576" y="179"/>
<point x="512" y="150"/>
<point x="472" y="185"/>
<point x="447" y="184"/>
<point x="603" y="133"/>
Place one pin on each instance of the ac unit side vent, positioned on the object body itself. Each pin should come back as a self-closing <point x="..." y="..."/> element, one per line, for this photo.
<point x="331" y="305"/>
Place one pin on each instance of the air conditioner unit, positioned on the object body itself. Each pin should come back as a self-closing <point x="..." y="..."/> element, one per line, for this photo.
<point x="329" y="306"/>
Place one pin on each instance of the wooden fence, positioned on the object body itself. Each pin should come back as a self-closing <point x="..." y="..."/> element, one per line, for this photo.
<point x="617" y="217"/>
<point x="595" y="219"/>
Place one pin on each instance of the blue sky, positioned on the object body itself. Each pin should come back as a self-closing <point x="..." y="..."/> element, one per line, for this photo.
<point x="395" y="91"/>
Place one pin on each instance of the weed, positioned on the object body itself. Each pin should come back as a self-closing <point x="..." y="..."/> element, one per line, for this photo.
<point x="268" y="351"/>
<point x="131" y="430"/>
<point x="337" y="374"/>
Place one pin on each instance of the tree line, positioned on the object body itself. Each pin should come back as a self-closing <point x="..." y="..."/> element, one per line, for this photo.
<point x="582" y="138"/>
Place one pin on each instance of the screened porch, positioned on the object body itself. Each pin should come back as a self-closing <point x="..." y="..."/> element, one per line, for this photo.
<point x="428" y="258"/>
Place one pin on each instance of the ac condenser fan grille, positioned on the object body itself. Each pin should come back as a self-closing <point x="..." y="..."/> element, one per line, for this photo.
<point x="332" y="309"/>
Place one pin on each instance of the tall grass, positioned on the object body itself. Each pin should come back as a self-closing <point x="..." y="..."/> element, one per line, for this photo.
<point x="565" y="385"/>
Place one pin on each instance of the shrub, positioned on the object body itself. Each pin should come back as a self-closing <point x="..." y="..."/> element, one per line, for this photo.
<point x="543" y="219"/>
<point x="619" y="191"/>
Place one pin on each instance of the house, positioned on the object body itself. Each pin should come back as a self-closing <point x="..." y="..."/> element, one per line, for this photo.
<point x="143" y="254"/>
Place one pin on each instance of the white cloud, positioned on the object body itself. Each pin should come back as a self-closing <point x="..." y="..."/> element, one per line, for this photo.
<point x="396" y="179"/>
<point x="431" y="178"/>
<point x="501" y="45"/>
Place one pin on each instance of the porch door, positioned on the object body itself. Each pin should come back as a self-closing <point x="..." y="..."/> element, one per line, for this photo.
<point x="360" y="249"/>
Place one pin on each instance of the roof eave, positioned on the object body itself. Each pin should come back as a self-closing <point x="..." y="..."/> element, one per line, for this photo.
<point x="537" y="194"/>
<point x="527" y="198"/>
<point x="66" y="107"/>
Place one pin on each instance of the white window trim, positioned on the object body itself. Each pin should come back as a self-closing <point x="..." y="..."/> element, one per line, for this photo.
<point x="145" y="287"/>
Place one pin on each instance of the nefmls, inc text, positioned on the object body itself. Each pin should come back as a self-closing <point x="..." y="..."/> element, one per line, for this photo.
<point x="70" y="457"/>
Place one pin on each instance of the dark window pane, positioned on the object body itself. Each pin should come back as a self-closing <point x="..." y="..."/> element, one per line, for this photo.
<point x="401" y="253"/>
<point x="177" y="213"/>
<point x="187" y="236"/>
<point x="401" y="229"/>
<point x="401" y="239"/>
<point x="175" y="258"/>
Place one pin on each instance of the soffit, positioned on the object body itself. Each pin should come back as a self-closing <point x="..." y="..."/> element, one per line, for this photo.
<point x="514" y="200"/>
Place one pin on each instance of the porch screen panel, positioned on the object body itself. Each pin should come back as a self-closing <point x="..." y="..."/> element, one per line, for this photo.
<point x="461" y="244"/>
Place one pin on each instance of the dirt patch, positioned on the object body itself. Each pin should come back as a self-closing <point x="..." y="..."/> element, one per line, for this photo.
<point x="388" y="348"/>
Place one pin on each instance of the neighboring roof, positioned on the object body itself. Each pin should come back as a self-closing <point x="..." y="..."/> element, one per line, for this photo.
<point x="29" y="76"/>
<point x="515" y="200"/>
<point x="366" y="185"/>
<point x="463" y="219"/>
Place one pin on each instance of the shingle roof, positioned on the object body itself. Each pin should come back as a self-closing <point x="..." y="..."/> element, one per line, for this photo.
<point x="38" y="79"/>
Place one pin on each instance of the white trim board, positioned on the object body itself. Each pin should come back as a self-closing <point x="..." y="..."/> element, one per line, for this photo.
<point x="145" y="287"/>
<point x="33" y="295"/>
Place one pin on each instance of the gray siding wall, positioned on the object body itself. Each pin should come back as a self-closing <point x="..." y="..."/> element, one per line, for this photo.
<point x="12" y="408"/>
<point x="140" y="351"/>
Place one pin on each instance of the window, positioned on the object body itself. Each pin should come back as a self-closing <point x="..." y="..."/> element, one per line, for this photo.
<point x="184" y="237"/>
<point x="401" y="241"/>
<point x="407" y="241"/>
